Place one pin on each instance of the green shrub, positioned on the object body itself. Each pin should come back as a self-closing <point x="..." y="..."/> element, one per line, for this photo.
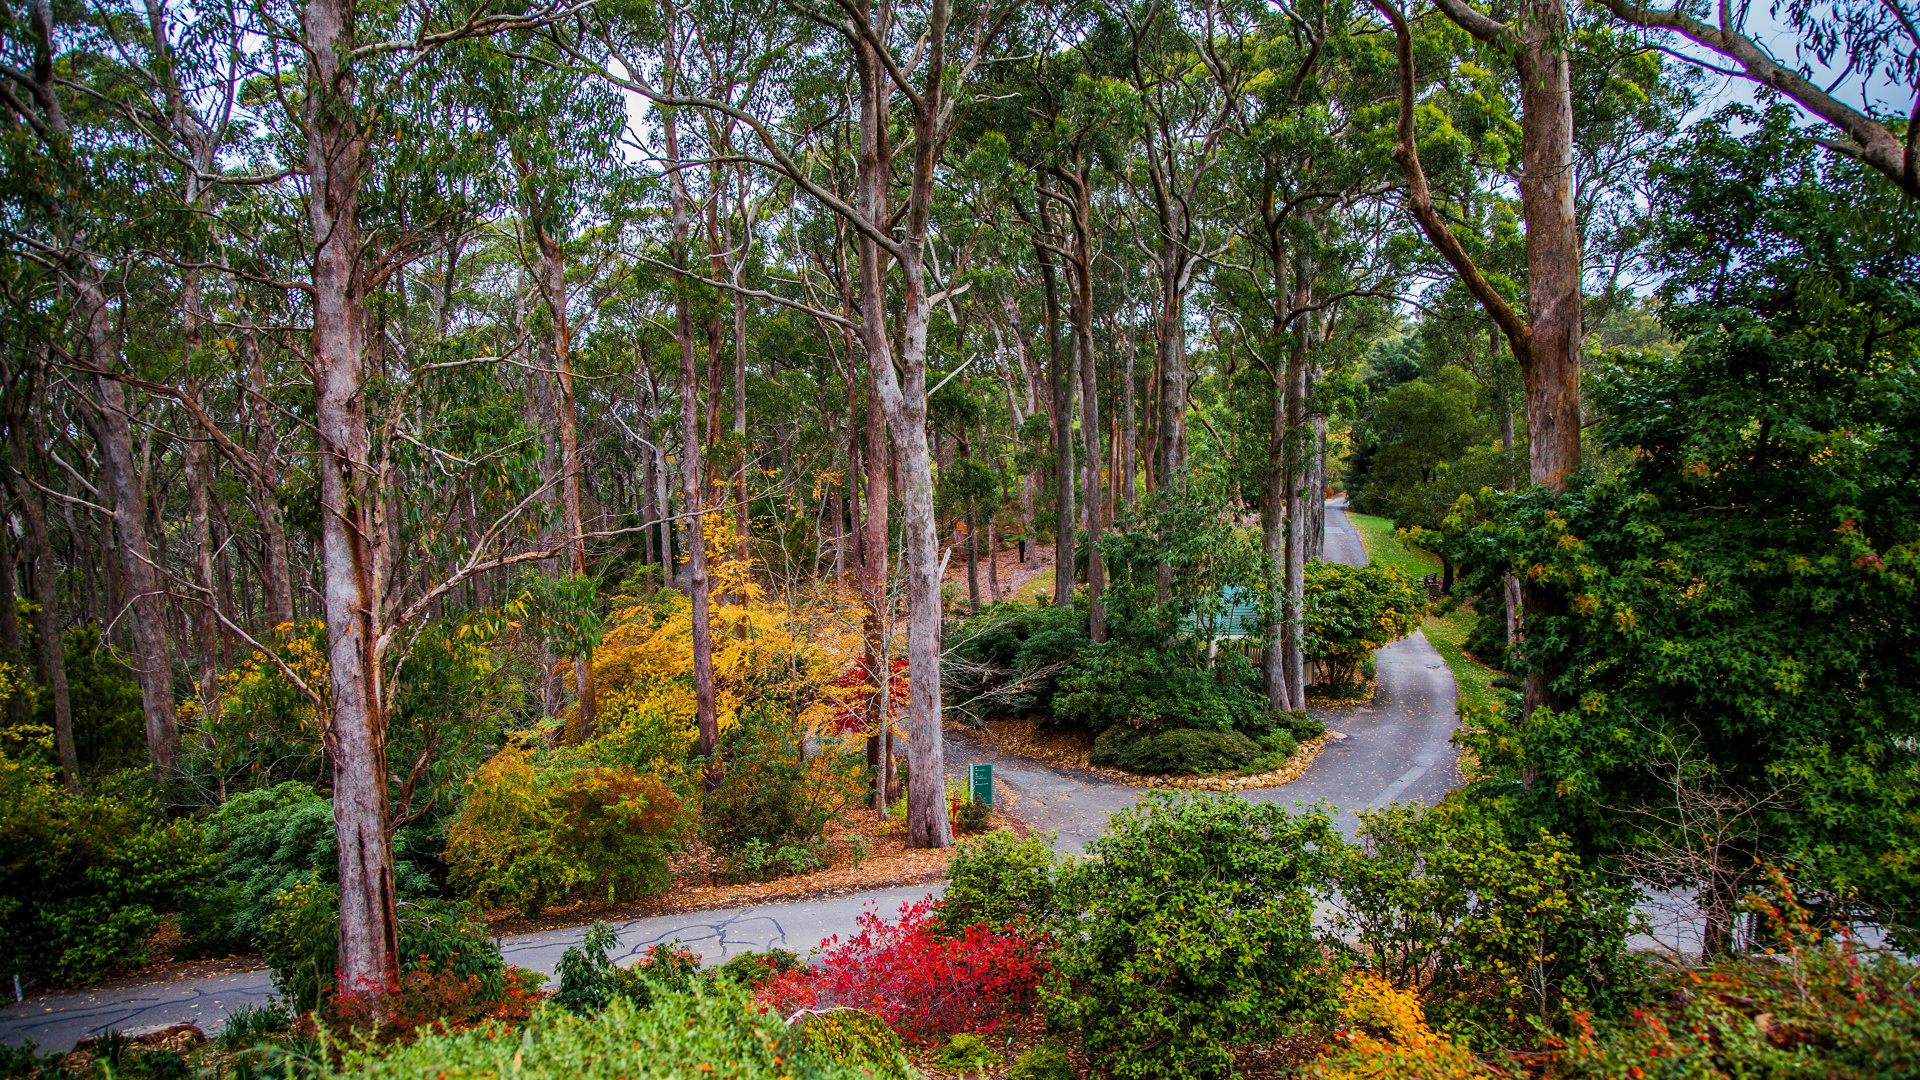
<point x="26" y="1060"/>
<point x="1353" y="610"/>
<point x="857" y="1040"/>
<point x="1816" y="1006"/>
<point x="85" y="879"/>
<point x="527" y="836"/>
<point x="965" y="1052"/>
<point x="769" y="793"/>
<point x="1000" y="880"/>
<point x="713" y="1033"/>
<point x="1490" y="931"/>
<point x="1007" y="660"/>
<point x="1192" y="931"/>
<point x="448" y="703"/>
<point x="757" y="860"/>
<point x="270" y="840"/>
<point x="974" y="816"/>
<point x="589" y="979"/>
<point x="1115" y="684"/>
<point x="750" y="969"/>
<point x="164" y="1065"/>
<point x="301" y="943"/>
<point x="1044" y="1062"/>
<point x="1276" y="749"/>
<point x="1488" y="639"/>
<point x="1182" y="751"/>
<point x="619" y="828"/>
<point x="251" y="1025"/>
<point x="109" y="730"/>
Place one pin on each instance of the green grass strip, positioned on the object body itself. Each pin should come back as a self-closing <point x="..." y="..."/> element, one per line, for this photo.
<point x="1376" y="533"/>
<point x="1448" y="633"/>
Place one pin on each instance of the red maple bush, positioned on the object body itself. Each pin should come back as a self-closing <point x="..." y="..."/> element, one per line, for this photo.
<point x="924" y="983"/>
<point x="420" y="998"/>
<point x="849" y="694"/>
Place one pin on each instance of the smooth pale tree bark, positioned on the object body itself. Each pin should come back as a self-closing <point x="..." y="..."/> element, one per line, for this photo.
<point x="873" y="585"/>
<point x="10" y="643"/>
<point x="904" y="394"/>
<point x="46" y="630"/>
<point x="737" y="273"/>
<point x="1060" y="382"/>
<point x="1021" y="409"/>
<point x="542" y="416"/>
<point x="81" y="274"/>
<point x="1547" y="342"/>
<point x="993" y="560"/>
<point x="888" y="240"/>
<point x="553" y="288"/>
<point x="1293" y="452"/>
<point x="1282" y="667"/>
<point x="206" y="624"/>
<point x="1080" y="307"/>
<point x="146" y="597"/>
<point x="706" y="717"/>
<point x="352" y="536"/>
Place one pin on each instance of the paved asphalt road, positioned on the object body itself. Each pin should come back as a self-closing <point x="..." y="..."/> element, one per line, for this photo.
<point x="1396" y="749"/>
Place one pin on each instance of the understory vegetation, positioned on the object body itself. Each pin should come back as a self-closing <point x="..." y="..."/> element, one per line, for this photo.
<point x="1186" y="944"/>
<point x="468" y="464"/>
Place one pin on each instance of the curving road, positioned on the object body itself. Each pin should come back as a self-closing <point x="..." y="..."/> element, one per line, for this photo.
<point x="1395" y="749"/>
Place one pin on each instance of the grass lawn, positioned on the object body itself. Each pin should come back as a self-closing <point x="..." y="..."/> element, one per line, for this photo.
<point x="1473" y="680"/>
<point x="1376" y="533"/>
<point x="1447" y="633"/>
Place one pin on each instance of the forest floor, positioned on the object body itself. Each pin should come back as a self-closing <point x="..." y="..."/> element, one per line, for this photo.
<point x="1017" y="582"/>
<point x="866" y="854"/>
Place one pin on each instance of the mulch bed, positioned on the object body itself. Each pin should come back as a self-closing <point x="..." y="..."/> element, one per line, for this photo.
<point x="1071" y="748"/>
<point x="889" y="863"/>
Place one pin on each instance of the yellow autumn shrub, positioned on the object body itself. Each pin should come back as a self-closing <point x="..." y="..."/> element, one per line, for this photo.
<point x="1386" y="1037"/>
<point x="785" y="649"/>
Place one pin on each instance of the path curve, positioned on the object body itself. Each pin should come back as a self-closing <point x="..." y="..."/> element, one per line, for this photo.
<point x="1396" y="749"/>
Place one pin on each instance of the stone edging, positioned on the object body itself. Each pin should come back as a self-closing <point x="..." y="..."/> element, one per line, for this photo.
<point x="1296" y="766"/>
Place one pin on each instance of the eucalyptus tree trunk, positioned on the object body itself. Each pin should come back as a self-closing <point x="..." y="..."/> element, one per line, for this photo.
<point x="206" y="625"/>
<point x="1294" y="450"/>
<point x="352" y="536"/>
<point x="1280" y="676"/>
<point x="1547" y="342"/>
<point x="1129" y="436"/>
<point x="553" y="272"/>
<point x="873" y="586"/>
<point x="1029" y="481"/>
<point x="904" y="396"/>
<point x="1060" y="378"/>
<point x="543" y="417"/>
<point x="10" y="643"/>
<point x="146" y="594"/>
<point x="706" y="716"/>
<point x="1081" y="307"/>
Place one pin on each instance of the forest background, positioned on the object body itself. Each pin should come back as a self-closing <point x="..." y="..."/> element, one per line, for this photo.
<point x="398" y="397"/>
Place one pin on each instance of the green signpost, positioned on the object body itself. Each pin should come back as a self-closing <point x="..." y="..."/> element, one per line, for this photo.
<point x="980" y="782"/>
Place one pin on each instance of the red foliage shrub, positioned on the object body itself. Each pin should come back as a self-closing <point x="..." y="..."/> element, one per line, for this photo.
<point x="850" y="693"/>
<point x="924" y="985"/>
<point x="421" y="998"/>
